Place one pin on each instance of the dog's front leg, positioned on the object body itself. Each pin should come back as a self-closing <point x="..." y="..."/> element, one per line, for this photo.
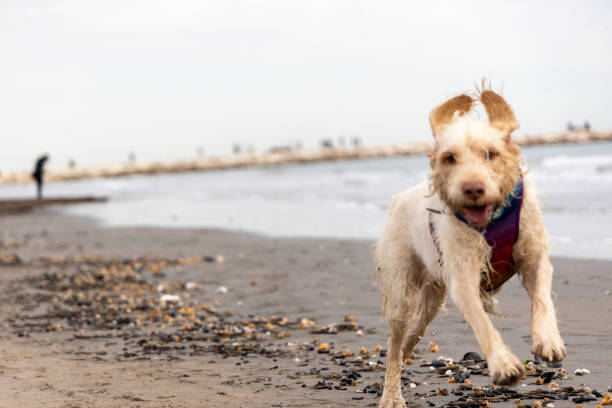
<point x="392" y="393"/>
<point x="464" y="280"/>
<point x="537" y="281"/>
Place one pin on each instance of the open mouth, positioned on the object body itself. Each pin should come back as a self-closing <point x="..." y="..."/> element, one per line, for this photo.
<point x="478" y="215"/>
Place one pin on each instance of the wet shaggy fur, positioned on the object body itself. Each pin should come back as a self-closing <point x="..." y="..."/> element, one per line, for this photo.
<point x="414" y="284"/>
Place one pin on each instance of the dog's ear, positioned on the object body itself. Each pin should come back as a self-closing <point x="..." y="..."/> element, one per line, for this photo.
<point x="443" y="114"/>
<point x="499" y="112"/>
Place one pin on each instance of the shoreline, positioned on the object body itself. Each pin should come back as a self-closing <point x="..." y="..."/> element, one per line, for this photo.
<point x="18" y="206"/>
<point x="56" y="361"/>
<point x="282" y="157"/>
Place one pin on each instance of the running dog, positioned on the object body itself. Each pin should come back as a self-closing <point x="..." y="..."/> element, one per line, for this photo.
<point x="474" y="223"/>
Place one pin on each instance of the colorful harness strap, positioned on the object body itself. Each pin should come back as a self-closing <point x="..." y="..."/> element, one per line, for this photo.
<point x="501" y="235"/>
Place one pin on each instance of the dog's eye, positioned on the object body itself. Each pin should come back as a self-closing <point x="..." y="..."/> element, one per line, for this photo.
<point x="491" y="154"/>
<point x="448" y="158"/>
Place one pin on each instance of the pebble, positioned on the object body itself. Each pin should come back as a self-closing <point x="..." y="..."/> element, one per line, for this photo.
<point x="472" y="356"/>
<point x="458" y="377"/>
<point x="191" y="285"/>
<point x="170" y="298"/>
<point x="323" y="348"/>
<point x="222" y="290"/>
<point x="582" y="371"/>
<point x="438" y="362"/>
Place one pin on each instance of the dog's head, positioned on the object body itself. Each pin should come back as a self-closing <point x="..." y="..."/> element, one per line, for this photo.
<point x="475" y="164"/>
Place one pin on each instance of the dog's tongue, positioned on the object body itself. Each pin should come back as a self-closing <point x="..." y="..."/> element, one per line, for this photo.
<point x="478" y="215"/>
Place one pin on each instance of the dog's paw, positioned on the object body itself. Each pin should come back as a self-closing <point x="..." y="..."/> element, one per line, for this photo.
<point x="505" y="368"/>
<point x="549" y="347"/>
<point x="394" y="401"/>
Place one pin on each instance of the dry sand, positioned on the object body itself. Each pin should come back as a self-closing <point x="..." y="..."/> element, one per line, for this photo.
<point x="323" y="280"/>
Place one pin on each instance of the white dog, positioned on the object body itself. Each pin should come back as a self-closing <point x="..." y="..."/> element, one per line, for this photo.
<point x="474" y="223"/>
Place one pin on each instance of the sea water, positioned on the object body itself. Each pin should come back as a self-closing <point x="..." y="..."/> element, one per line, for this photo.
<point x="344" y="199"/>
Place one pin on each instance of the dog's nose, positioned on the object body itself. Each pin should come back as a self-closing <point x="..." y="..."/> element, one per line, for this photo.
<point x="473" y="189"/>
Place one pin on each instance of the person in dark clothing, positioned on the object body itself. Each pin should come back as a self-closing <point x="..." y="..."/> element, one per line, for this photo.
<point x="38" y="173"/>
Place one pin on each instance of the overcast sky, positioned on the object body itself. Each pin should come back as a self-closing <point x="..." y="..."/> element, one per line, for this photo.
<point x="94" y="80"/>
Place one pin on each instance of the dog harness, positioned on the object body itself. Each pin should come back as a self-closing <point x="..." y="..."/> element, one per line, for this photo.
<point x="501" y="235"/>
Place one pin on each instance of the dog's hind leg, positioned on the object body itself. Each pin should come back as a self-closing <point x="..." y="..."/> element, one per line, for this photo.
<point x="464" y="286"/>
<point x="537" y="281"/>
<point x="432" y="299"/>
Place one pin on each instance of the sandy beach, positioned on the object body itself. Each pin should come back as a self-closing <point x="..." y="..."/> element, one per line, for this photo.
<point x="247" y="321"/>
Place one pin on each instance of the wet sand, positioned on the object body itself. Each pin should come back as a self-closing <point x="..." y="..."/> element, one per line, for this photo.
<point x="68" y="360"/>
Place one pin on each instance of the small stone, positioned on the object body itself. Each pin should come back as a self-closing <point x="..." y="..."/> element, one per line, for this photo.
<point x="323" y="348"/>
<point x="222" y="290"/>
<point x="459" y="378"/>
<point x="170" y="298"/>
<point x="438" y="362"/>
<point x="547" y="376"/>
<point x="472" y="356"/>
<point x="363" y="351"/>
<point x="412" y="386"/>
<point x="433" y="347"/>
<point x="305" y="323"/>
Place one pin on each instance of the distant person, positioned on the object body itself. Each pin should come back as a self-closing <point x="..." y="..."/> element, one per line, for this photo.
<point x="326" y="144"/>
<point x="587" y="126"/>
<point x="38" y="173"/>
<point x="570" y="126"/>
